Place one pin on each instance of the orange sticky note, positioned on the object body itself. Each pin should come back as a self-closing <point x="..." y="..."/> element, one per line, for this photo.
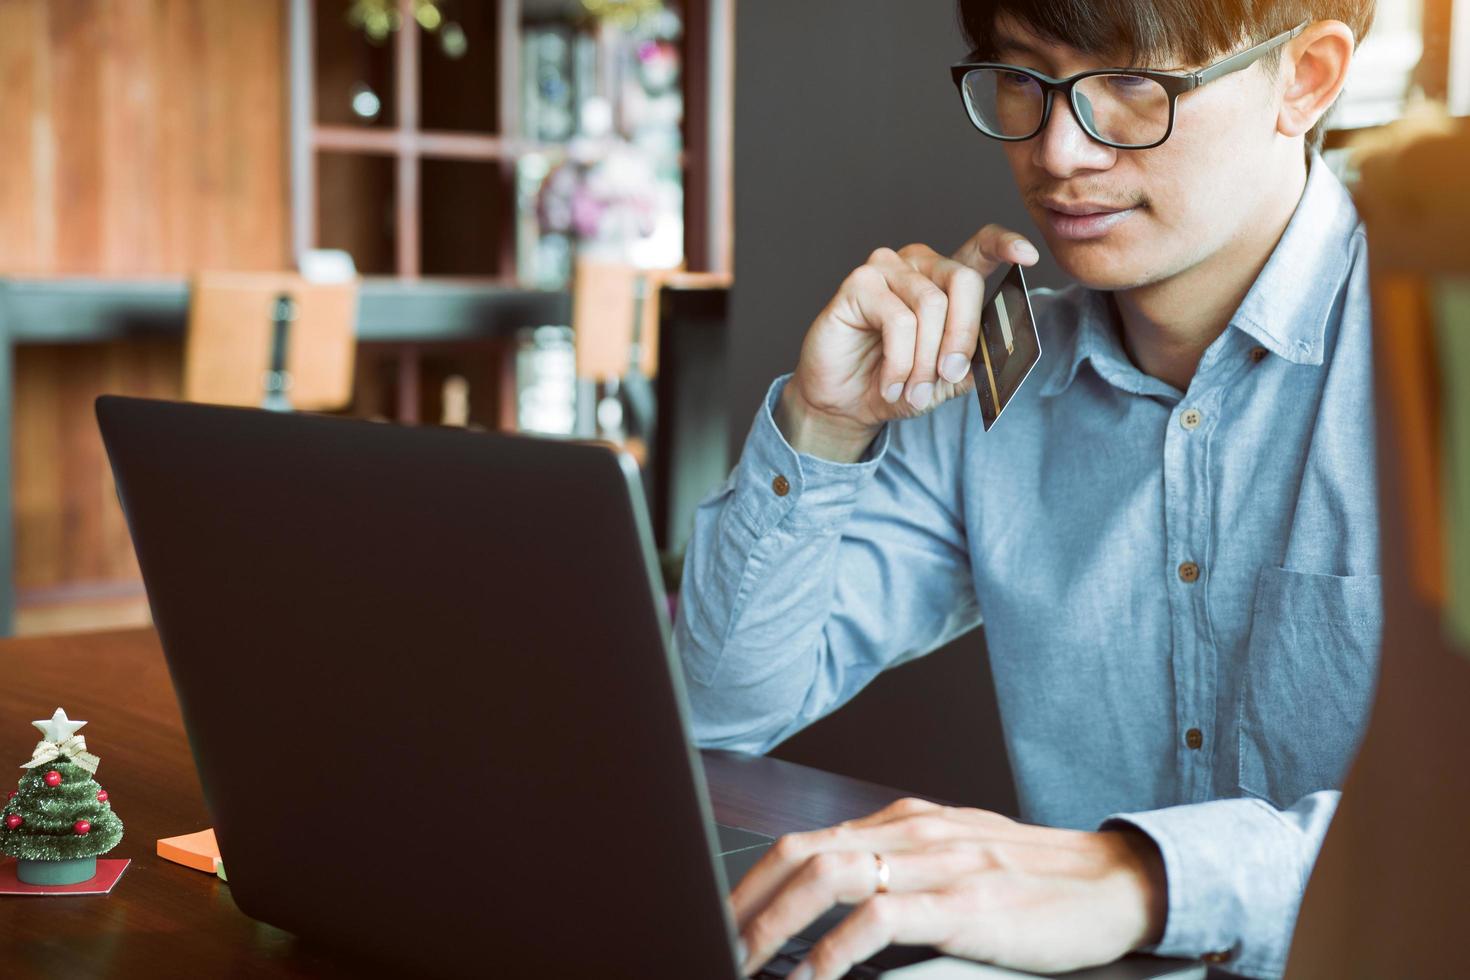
<point x="198" y="851"/>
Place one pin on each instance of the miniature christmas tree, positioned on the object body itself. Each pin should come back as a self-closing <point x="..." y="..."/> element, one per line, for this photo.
<point x="59" y="819"/>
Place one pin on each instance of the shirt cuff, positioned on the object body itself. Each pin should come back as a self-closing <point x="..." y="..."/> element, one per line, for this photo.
<point x="1235" y="878"/>
<point x="775" y="483"/>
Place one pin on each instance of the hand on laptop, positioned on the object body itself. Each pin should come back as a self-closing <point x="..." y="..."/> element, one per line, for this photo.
<point x="968" y="882"/>
<point x="895" y="341"/>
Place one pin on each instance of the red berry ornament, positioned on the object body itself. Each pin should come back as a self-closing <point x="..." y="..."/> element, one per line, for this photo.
<point x="102" y="796"/>
<point x="13" y="821"/>
<point x="53" y="778"/>
<point x="82" y="827"/>
<point x="13" y="794"/>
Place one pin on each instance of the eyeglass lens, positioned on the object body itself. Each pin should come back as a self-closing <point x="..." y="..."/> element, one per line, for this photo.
<point x="1122" y="110"/>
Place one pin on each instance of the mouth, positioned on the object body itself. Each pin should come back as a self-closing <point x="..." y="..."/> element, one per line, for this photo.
<point x="1083" y="220"/>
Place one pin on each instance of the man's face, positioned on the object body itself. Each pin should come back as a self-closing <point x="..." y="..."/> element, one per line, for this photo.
<point x="1172" y="207"/>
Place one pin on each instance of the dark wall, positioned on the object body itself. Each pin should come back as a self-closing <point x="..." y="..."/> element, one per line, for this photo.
<point x="849" y="135"/>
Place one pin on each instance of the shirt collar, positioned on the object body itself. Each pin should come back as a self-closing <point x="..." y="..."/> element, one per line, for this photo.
<point x="1288" y="307"/>
<point x="1286" y="310"/>
<point x="1093" y="338"/>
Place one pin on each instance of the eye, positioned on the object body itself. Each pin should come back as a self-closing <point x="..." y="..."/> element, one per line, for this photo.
<point x="1126" y="82"/>
<point x="1015" y="79"/>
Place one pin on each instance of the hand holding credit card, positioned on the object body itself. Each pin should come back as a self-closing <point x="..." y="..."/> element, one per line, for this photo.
<point x="1009" y="346"/>
<point x="900" y="337"/>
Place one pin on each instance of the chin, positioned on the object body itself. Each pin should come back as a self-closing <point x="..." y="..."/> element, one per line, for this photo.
<point x="1100" y="265"/>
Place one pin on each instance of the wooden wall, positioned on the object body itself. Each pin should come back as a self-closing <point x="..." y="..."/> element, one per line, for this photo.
<point x="69" y="526"/>
<point x="138" y="138"/>
<point x="142" y="138"/>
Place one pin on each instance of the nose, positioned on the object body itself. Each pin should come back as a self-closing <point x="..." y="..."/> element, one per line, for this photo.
<point x="1063" y="148"/>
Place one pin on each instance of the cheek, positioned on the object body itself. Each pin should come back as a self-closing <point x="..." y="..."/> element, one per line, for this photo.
<point x="1018" y="157"/>
<point x="1182" y="180"/>
<point x="1204" y="187"/>
<point x="1216" y="151"/>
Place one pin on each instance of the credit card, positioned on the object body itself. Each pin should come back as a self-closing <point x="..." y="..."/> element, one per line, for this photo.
<point x="1009" y="346"/>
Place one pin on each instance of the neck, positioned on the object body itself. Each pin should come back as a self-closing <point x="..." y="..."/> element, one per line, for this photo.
<point x="1167" y="325"/>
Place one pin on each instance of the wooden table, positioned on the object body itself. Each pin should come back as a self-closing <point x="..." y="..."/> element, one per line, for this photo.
<point x="164" y="920"/>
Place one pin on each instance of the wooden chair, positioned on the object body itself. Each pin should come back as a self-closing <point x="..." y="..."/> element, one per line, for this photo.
<point x="615" y="308"/>
<point x="1391" y="890"/>
<point x="604" y="301"/>
<point x="228" y="345"/>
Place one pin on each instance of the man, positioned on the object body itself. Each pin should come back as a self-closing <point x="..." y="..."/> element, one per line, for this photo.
<point x="1170" y="536"/>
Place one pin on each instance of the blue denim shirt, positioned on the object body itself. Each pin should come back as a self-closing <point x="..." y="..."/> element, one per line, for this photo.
<point x="1179" y="589"/>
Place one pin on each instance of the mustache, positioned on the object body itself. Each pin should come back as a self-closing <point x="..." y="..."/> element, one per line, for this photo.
<point x="1038" y="196"/>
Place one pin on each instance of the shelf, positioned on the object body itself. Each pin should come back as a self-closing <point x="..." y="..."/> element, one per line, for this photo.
<point x="464" y="208"/>
<point x="458" y="146"/>
<point x="348" y="139"/>
<point x="352" y="73"/>
<point x="459" y="71"/>
<point x="355" y="209"/>
<point x="493" y="98"/>
<point x="72" y="311"/>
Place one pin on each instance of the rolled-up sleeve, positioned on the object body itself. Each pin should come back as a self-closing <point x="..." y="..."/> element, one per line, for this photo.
<point x="1236" y="873"/>
<point x="804" y="578"/>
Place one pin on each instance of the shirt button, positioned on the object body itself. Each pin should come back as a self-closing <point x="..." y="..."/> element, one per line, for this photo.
<point x="1258" y="355"/>
<point x="781" y="485"/>
<point x="1220" y="956"/>
<point x="1191" y="419"/>
<point x="1194" y="738"/>
<point x="1189" y="572"/>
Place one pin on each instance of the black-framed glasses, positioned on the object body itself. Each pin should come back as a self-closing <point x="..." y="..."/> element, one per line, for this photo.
<point x="1130" y="109"/>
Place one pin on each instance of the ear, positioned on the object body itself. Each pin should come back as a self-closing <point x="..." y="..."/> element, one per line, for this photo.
<point x="1314" y="68"/>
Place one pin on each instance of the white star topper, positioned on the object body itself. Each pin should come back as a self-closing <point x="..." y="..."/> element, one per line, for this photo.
<point x="59" y="727"/>
<point x="61" y="739"/>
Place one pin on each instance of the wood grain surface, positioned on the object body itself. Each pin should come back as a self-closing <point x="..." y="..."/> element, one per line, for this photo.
<point x="68" y="525"/>
<point x="164" y="920"/>
<point x="139" y="140"/>
<point x="142" y="138"/>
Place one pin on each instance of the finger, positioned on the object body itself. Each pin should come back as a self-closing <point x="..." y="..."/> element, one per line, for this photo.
<point x="885" y="312"/>
<point x="906" y="807"/>
<point x="823" y="881"/>
<point x="905" y="825"/>
<point x="994" y="245"/>
<point x="933" y="310"/>
<point x="919" y="256"/>
<point x="778" y="864"/>
<point x="1002" y="826"/>
<point x="966" y="291"/>
<point x="911" y="833"/>
<point x="996" y="840"/>
<point x="791" y="852"/>
<point x="938" y="868"/>
<point x="945" y="864"/>
<point x="916" y="918"/>
<point x="982" y="826"/>
<point x="778" y="869"/>
<point x="930" y="304"/>
<point x="953" y="825"/>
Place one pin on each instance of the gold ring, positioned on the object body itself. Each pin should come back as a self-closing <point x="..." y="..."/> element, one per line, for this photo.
<point x="881" y="866"/>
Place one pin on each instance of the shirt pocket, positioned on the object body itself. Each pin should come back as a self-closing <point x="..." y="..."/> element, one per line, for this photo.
<point x="1311" y="669"/>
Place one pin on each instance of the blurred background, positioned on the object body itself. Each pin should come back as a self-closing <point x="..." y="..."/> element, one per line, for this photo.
<point x="595" y="218"/>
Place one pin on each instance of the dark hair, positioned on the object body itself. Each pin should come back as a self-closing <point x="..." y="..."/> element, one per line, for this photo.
<point x="1152" y="31"/>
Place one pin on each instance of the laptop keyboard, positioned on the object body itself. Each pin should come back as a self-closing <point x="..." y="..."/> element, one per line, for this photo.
<point x="784" y="963"/>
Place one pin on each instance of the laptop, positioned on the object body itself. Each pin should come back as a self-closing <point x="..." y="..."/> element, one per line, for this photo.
<point x="427" y="679"/>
